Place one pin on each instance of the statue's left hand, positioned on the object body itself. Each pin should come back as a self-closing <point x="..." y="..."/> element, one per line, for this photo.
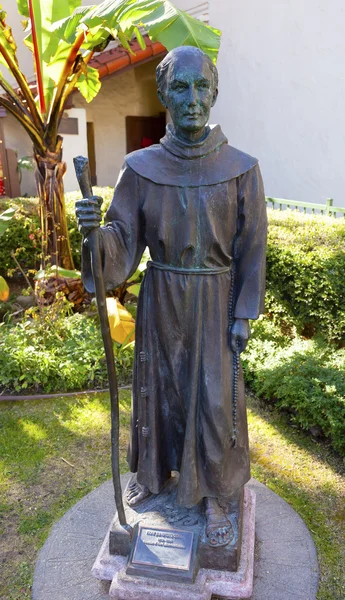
<point x="240" y="334"/>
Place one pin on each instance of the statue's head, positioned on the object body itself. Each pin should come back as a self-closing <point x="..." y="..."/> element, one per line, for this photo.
<point x="187" y="83"/>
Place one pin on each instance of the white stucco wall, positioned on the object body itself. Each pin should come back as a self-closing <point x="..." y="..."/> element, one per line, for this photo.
<point x="23" y="53"/>
<point x="282" y="86"/>
<point x="18" y="140"/>
<point x="132" y="93"/>
<point x="74" y="145"/>
<point x="282" y="90"/>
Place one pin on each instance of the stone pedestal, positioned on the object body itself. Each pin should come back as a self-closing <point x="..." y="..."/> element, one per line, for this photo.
<point x="163" y="511"/>
<point x="286" y="566"/>
<point x="229" y="584"/>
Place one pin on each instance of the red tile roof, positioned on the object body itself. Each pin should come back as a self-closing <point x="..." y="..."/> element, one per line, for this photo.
<point x="118" y="59"/>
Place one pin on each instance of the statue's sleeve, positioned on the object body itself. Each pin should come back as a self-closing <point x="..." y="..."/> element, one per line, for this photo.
<point x="122" y="237"/>
<point x="250" y="246"/>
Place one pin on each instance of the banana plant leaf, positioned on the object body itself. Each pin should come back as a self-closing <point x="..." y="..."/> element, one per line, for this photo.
<point x="173" y="27"/>
<point x="4" y="290"/>
<point x="134" y="289"/>
<point x="89" y="83"/>
<point x="66" y="28"/>
<point x="7" y="40"/>
<point x="44" y="273"/>
<point x="162" y="20"/>
<point x="5" y="219"/>
<point x="54" y="68"/>
<point x="23" y="8"/>
<point x="45" y="13"/>
<point x="121" y="322"/>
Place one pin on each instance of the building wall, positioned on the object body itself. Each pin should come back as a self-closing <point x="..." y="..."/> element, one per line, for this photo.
<point x="281" y="94"/>
<point x="132" y="93"/>
<point x="74" y="145"/>
<point x="18" y="140"/>
<point x="23" y="53"/>
<point x="282" y="90"/>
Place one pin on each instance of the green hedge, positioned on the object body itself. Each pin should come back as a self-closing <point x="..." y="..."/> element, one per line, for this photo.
<point x="305" y="262"/>
<point x="306" y="273"/>
<point x="306" y="377"/>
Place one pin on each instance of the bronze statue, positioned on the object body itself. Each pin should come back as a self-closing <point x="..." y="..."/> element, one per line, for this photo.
<point x="198" y="204"/>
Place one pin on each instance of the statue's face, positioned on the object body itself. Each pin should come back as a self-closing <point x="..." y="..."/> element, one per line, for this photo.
<point x="189" y="93"/>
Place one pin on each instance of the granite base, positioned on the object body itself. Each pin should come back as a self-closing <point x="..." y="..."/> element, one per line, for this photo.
<point x="209" y="583"/>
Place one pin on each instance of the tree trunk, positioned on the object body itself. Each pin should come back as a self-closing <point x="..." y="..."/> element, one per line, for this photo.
<point x="56" y="249"/>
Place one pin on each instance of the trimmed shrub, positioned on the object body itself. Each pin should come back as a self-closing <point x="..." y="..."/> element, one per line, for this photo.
<point x="306" y="377"/>
<point x="305" y="262"/>
<point x="306" y="273"/>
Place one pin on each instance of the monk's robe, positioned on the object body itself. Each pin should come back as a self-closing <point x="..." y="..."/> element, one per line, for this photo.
<point x="201" y="211"/>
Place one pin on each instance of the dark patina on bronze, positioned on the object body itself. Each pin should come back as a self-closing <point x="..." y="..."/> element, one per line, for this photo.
<point x="198" y="204"/>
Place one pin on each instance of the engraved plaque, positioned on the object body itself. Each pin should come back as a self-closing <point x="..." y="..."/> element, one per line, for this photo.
<point x="163" y="553"/>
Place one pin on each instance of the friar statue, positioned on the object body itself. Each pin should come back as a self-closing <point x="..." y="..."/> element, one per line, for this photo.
<point x="199" y="206"/>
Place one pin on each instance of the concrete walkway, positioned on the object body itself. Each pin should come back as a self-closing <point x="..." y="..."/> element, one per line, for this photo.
<point x="286" y="566"/>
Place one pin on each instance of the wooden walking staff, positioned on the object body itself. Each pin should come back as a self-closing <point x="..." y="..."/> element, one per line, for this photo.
<point x="81" y="166"/>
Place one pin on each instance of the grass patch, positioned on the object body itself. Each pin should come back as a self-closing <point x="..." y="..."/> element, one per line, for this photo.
<point x="311" y="479"/>
<point x="37" y="486"/>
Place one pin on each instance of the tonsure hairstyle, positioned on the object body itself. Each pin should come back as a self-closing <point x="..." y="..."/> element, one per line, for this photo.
<point x="163" y="67"/>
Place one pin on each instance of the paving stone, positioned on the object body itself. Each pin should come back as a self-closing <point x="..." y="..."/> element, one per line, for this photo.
<point x="286" y="566"/>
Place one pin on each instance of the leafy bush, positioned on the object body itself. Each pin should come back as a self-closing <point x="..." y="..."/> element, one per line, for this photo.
<point x="22" y="238"/>
<point x="305" y="262"/>
<point x="55" y="351"/>
<point x="306" y="272"/>
<point x="304" y="376"/>
<point x="75" y="237"/>
<point x="23" y="234"/>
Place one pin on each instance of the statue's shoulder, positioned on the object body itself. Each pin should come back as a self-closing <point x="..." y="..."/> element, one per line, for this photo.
<point x="139" y="159"/>
<point x="160" y="166"/>
<point x="240" y="161"/>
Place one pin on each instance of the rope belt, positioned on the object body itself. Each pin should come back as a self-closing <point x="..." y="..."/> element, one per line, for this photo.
<point x="231" y="310"/>
<point x="195" y="271"/>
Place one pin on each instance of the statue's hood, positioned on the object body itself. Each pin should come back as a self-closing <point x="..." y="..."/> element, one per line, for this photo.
<point x="174" y="162"/>
<point x="214" y="139"/>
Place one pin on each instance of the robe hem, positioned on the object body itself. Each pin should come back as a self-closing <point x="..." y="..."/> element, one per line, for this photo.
<point x="200" y="496"/>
